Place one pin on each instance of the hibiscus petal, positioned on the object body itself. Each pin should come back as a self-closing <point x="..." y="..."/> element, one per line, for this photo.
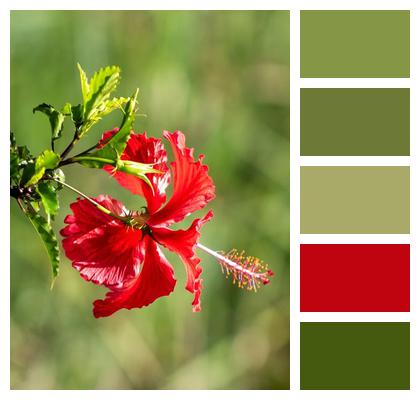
<point x="101" y="248"/>
<point x="183" y="242"/>
<point x="145" y="150"/>
<point x="155" y="280"/>
<point x="106" y="136"/>
<point x="193" y="187"/>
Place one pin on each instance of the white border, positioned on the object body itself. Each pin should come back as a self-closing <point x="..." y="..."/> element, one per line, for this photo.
<point x="5" y="205"/>
<point x="354" y="161"/>
<point x="296" y="239"/>
<point x="354" y="82"/>
<point x="354" y="317"/>
<point x="294" y="199"/>
<point x="355" y="239"/>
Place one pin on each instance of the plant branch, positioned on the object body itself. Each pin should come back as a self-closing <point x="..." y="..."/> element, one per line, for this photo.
<point x="86" y="151"/>
<point x="70" y="146"/>
<point x="19" y="201"/>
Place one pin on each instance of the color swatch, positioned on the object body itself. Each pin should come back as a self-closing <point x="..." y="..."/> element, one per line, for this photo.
<point x="355" y="44"/>
<point x="355" y="122"/>
<point x="355" y="277"/>
<point x="355" y="200"/>
<point x="355" y="355"/>
<point x="366" y="120"/>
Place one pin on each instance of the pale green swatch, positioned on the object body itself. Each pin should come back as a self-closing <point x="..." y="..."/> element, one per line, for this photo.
<point x="355" y="200"/>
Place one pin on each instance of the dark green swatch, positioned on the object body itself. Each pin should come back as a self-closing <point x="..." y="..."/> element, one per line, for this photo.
<point x="355" y="122"/>
<point x="355" y="355"/>
<point x="355" y="44"/>
<point x="355" y="200"/>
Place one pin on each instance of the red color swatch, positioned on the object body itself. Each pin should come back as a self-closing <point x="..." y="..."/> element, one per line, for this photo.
<point x="354" y="277"/>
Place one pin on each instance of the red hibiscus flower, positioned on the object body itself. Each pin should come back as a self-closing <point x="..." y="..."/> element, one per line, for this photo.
<point x="125" y="256"/>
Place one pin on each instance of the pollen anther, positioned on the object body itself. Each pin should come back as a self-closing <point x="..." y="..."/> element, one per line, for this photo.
<point x="246" y="271"/>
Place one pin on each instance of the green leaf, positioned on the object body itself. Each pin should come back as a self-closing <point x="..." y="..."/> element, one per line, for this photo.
<point x="75" y="112"/>
<point x="48" y="159"/>
<point x="110" y="153"/>
<point x="48" y="237"/>
<point x="56" y="119"/>
<point x="24" y="154"/>
<point x="102" y="110"/>
<point x="49" y="198"/>
<point x="29" y="174"/>
<point x="66" y="110"/>
<point x="84" y="84"/>
<point x="35" y="171"/>
<point x="35" y="205"/>
<point x="107" y="106"/>
<point x="116" y="145"/>
<point x="14" y="159"/>
<point x="77" y="115"/>
<point x="12" y="139"/>
<point x="14" y="165"/>
<point x="102" y="84"/>
<point x="19" y="158"/>
<point x="96" y="97"/>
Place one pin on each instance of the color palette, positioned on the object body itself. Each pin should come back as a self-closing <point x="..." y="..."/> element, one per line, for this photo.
<point x="366" y="194"/>
<point x="355" y="278"/>
<point x="355" y="355"/>
<point x="355" y="44"/>
<point x="355" y="200"/>
<point x="355" y="122"/>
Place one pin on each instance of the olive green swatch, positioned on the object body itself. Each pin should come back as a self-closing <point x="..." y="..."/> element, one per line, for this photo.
<point x="355" y="44"/>
<point x="355" y="122"/>
<point x="355" y="355"/>
<point x="362" y="200"/>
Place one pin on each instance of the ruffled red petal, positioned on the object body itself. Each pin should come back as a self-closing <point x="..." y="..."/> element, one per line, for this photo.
<point x="145" y="150"/>
<point x="193" y="187"/>
<point x="101" y="248"/>
<point x="155" y="280"/>
<point x="183" y="242"/>
<point x="106" y="136"/>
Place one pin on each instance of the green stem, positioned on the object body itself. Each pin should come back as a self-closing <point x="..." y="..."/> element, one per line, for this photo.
<point x="67" y="150"/>
<point x="86" y="151"/>
<point x="86" y="158"/>
<point x="19" y="201"/>
<point x="94" y="202"/>
<point x="90" y="158"/>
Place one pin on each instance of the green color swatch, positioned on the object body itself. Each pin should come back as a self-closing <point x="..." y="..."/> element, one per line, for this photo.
<point x="355" y="122"/>
<point x="355" y="355"/>
<point x="355" y="44"/>
<point x="355" y="200"/>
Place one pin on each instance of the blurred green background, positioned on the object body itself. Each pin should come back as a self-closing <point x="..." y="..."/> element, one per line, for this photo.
<point x="223" y="79"/>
